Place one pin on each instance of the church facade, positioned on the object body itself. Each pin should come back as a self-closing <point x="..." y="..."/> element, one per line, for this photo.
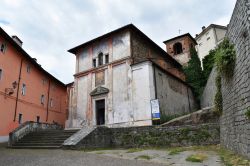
<point x="118" y="74"/>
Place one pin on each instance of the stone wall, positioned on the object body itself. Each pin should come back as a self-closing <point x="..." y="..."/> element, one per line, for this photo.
<point x="207" y="98"/>
<point x="151" y="136"/>
<point x="235" y="127"/>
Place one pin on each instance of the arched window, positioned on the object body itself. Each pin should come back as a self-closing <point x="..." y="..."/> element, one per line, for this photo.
<point x="178" y="48"/>
<point x="100" y="59"/>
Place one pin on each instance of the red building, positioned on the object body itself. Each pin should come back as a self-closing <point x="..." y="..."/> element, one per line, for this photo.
<point x="27" y="91"/>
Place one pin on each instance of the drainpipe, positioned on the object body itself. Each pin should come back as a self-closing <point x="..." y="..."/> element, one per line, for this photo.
<point x="155" y="82"/>
<point x="47" y="115"/>
<point x="18" y="86"/>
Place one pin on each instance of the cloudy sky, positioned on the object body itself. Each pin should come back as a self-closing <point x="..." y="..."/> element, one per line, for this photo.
<point x="49" y="28"/>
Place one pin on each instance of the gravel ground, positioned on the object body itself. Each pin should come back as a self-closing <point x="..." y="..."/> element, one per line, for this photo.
<point x="34" y="157"/>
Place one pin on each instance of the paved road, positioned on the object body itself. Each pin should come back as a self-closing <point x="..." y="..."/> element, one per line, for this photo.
<point x="25" y="157"/>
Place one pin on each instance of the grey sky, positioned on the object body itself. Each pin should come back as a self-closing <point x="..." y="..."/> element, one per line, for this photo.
<point x="49" y="28"/>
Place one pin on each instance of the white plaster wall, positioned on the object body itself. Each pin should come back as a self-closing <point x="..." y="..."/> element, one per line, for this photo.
<point x="122" y="111"/>
<point x="204" y="45"/>
<point x="82" y="99"/>
<point x="121" y="46"/>
<point x="85" y="61"/>
<point x="220" y="34"/>
<point x="120" y="49"/>
<point x="143" y="92"/>
<point x="102" y="46"/>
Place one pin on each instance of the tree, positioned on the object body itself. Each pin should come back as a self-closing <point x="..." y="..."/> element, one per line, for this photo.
<point x="194" y="74"/>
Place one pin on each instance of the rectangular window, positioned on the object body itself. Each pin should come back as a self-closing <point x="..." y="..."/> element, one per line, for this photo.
<point x="94" y="62"/>
<point x="1" y="74"/>
<point x="42" y="99"/>
<point x="20" y="118"/>
<point x="3" y="48"/>
<point x="38" y="119"/>
<point x="100" y="59"/>
<point x="106" y="58"/>
<point x="208" y="38"/>
<point x="28" y="68"/>
<point x="23" y="89"/>
<point x="51" y="102"/>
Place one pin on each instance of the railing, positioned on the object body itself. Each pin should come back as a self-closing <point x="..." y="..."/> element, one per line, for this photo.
<point x="29" y="127"/>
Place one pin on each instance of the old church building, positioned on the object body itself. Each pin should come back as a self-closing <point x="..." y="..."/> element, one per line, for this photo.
<point x="118" y="74"/>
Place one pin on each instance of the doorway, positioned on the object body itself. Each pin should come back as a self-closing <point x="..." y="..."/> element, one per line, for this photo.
<point x="100" y="112"/>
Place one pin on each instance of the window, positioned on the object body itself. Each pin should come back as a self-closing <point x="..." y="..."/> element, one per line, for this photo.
<point x="28" y="68"/>
<point x="42" y="99"/>
<point x="200" y="44"/>
<point x="94" y="62"/>
<point x="106" y="58"/>
<point x="1" y="73"/>
<point x="3" y="48"/>
<point x="38" y="119"/>
<point x="51" y="102"/>
<point x="100" y="59"/>
<point x="178" y="48"/>
<point x="20" y="118"/>
<point x="23" y="89"/>
<point x="208" y="38"/>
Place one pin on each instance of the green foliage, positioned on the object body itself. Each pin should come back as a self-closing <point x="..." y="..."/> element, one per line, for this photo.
<point x="176" y="151"/>
<point x="199" y="157"/>
<point x="225" y="57"/>
<point x="218" y="96"/>
<point x="194" y="75"/>
<point x="208" y="64"/>
<point x="145" y="157"/>
<point x="248" y="113"/>
<point x="133" y="150"/>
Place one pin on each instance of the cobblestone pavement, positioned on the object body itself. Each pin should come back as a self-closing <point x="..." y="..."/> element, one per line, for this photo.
<point x="35" y="157"/>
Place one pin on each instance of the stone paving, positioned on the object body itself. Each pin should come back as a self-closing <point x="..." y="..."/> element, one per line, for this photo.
<point x="163" y="157"/>
<point x="35" y="157"/>
<point x="39" y="157"/>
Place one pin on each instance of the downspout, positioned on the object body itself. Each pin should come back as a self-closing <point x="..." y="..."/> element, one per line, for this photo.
<point x="47" y="115"/>
<point x="18" y="86"/>
<point x="155" y="82"/>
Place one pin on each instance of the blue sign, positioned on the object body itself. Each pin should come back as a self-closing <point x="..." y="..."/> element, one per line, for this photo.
<point x="155" y="108"/>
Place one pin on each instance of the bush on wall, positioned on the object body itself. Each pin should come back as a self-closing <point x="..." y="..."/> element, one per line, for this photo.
<point x="225" y="57"/>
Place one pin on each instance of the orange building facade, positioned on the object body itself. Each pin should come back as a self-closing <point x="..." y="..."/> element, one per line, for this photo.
<point x="27" y="91"/>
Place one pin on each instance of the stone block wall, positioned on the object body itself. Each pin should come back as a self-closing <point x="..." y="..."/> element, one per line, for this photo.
<point x="235" y="126"/>
<point x="151" y="136"/>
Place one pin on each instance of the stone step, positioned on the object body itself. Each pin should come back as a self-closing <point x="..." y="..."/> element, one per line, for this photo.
<point x="45" y="139"/>
<point x="36" y="147"/>
<point x="37" y="144"/>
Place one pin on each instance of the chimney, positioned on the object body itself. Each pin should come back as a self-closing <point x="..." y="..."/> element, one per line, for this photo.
<point x="196" y="35"/>
<point x="203" y="27"/>
<point x="17" y="40"/>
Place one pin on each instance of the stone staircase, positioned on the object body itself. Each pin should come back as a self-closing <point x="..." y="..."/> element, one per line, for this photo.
<point x="44" y="139"/>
